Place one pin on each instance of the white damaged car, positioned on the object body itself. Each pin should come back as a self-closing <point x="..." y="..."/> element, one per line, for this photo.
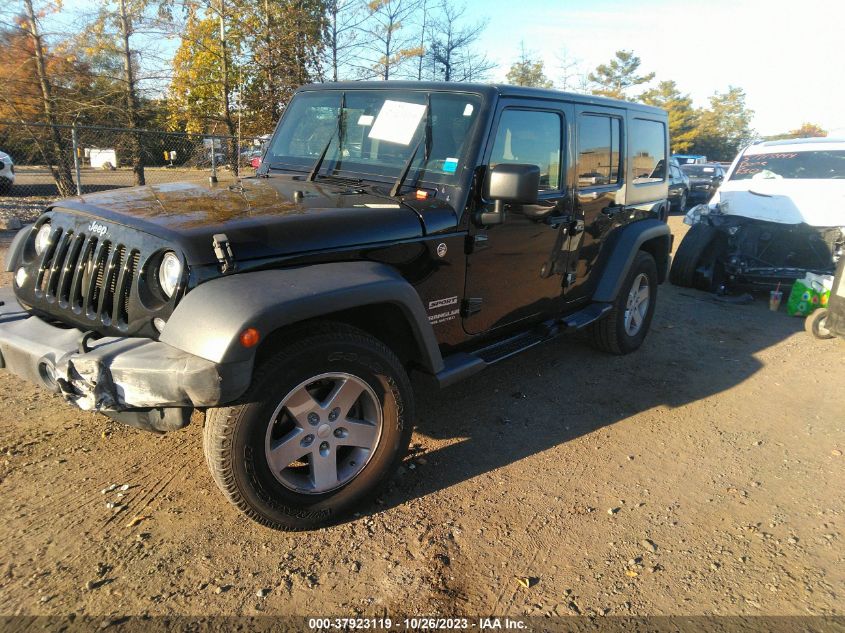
<point x="779" y="214"/>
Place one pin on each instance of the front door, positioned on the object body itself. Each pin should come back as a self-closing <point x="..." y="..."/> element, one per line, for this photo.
<point x="511" y="271"/>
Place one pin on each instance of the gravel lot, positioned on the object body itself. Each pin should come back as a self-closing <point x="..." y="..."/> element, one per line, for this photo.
<point x="701" y="475"/>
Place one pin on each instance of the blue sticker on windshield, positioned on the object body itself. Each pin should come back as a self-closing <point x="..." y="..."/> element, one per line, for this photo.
<point x="450" y="165"/>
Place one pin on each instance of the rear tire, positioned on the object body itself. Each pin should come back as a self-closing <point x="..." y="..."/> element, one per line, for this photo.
<point x="326" y="421"/>
<point x="690" y="253"/>
<point x="624" y="328"/>
<point x="814" y="324"/>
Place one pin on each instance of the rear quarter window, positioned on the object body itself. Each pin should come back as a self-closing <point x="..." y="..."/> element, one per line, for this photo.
<point x="647" y="149"/>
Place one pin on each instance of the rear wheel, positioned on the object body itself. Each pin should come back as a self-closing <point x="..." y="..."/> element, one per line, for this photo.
<point x="625" y="327"/>
<point x="691" y="255"/>
<point x="815" y="324"/>
<point x="326" y="421"/>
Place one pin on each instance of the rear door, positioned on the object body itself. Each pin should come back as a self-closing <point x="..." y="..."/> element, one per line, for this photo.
<point x="599" y="181"/>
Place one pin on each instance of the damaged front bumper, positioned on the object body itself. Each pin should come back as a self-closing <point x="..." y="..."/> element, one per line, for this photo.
<point x="762" y="255"/>
<point x="137" y="381"/>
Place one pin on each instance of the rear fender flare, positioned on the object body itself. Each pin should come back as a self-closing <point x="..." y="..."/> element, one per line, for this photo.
<point x="651" y="233"/>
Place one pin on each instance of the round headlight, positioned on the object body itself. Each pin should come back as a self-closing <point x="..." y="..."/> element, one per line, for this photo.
<point x="42" y="238"/>
<point x="169" y="273"/>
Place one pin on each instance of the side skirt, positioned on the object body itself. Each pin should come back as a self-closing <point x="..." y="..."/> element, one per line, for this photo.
<point x="465" y="364"/>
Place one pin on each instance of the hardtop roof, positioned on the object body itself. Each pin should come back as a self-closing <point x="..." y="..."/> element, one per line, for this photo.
<point x="487" y="90"/>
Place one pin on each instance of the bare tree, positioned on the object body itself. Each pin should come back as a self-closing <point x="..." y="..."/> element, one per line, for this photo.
<point x="569" y="70"/>
<point x="388" y="45"/>
<point x="451" y="46"/>
<point x="345" y="23"/>
<point x="58" y="156"/>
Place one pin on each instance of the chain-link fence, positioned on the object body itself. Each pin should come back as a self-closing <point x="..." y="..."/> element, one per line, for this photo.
<point x="44" y="162"/>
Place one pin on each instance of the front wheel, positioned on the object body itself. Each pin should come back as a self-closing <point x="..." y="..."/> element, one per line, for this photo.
<point x="326" y="421"/>
<point x="625" y="327"/>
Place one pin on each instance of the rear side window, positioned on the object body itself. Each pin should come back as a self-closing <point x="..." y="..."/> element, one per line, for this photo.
<point x="598" y="150"/>
<point x="648" y="151"/>
<point x="531" y="137"/>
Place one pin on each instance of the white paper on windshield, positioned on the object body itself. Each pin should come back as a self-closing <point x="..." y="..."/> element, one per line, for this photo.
<point x="397" y="121"/>
<point x="468" y="109"/>
<point x="365" y="120"/>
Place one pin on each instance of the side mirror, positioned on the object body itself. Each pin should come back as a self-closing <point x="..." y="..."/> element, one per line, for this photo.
<point x="509" y="183"/>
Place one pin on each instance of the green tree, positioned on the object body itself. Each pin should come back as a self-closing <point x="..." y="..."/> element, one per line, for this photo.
<point x="283" y="48"/>
<point x="725" y="127"/>
<point x="528" y="71"/>
<point x="807" y="130"/>
<point x="683" y="118"/>
<point x="616" y="77"/>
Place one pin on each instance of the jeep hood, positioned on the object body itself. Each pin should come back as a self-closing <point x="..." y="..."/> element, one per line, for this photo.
<point x="262" y="217"/>
<point x="814" y="202"/>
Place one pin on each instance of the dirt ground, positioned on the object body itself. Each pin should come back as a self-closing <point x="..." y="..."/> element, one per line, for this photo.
<point x="701" y="475"/>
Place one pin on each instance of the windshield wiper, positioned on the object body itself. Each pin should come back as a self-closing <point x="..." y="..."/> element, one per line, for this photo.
<point x="425" y="139"/>
<point x="339" y="131"/>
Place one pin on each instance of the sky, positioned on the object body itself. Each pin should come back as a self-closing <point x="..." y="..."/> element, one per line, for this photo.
<point x="787" y="55"/>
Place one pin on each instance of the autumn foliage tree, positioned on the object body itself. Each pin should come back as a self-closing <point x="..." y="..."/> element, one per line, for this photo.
<point x="32" y="92"/>
<point x="806" y="130"/>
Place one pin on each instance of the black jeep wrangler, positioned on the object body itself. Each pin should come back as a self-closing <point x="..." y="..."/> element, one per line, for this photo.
<point x="391" y="227"/>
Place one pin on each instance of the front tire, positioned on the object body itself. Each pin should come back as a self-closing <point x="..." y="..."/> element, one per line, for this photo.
<point x="691" y="255"/>
<point x="625" y="327"/>
<point x="326" y="421"/>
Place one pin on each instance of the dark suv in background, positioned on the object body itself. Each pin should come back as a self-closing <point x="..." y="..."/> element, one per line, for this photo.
<point x="704" y="180"/>
<point x="679" y="187"/>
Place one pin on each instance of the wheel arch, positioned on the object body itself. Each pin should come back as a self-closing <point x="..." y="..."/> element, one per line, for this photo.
<point x="371" y="296"/>
<point x="652" y="236"/>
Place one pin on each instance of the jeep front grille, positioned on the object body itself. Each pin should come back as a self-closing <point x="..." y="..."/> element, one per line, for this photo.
<point x="88" y="276"/>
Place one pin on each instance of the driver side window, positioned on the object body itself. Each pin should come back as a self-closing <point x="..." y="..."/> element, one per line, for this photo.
<point x="531" y="137"/>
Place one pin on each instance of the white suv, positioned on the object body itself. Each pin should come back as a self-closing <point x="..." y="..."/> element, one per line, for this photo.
<point x="7" y="173"/>
<point x="779" y="213"/>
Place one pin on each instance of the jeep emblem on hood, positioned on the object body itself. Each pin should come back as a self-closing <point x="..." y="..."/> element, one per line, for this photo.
<point x="99" y="229"/>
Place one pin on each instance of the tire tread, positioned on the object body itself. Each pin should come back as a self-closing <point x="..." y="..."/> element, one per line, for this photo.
<point x="221" y="422"/>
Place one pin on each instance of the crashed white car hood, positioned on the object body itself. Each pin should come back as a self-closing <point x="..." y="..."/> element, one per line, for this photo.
<point x="787" y="201"/>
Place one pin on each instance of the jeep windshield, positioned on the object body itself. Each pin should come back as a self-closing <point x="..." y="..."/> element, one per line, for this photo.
<point x="373" y="134"/>
<point x="820" y="165"/>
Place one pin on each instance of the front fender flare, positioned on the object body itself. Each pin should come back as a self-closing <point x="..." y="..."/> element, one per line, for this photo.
<point x="209" y="319"/>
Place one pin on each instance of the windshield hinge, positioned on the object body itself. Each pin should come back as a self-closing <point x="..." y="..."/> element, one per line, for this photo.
<point x="223" y="252"/>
